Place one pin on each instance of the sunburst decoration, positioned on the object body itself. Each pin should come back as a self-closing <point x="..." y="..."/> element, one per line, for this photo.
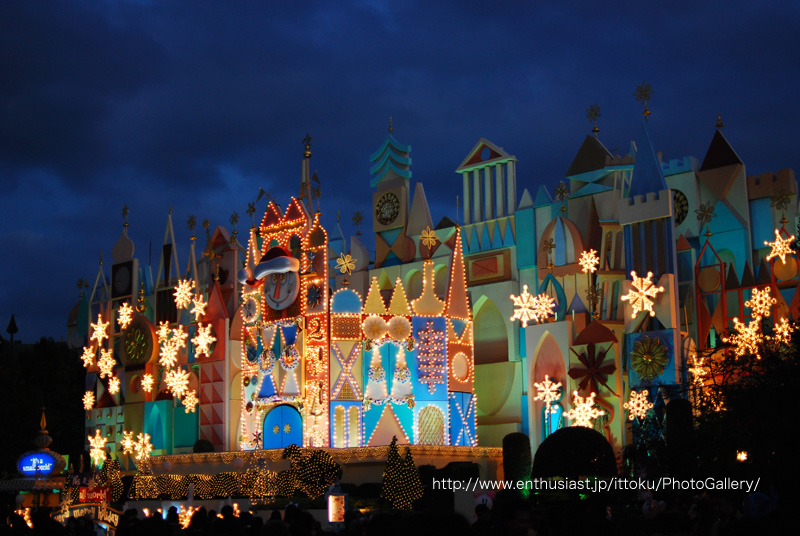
<point x="639" y="299"/>
<point x="429" y="237"/>
<point x="113" y="385"/>
<point x="147" y="382"/>
<point x="143" y="447"/>
<point x="203" y="340"/>
<point x="589" y="261"/>
<point x="98" y="450"/>
<point x="783" y="332"/>
<point x="99" y="330"/>
<point x="583" y="411"/>
<point x="199" y="309"/>
<point x="638" y="405"/>
<point x="125" y="315"/>
<point x="595" y="370"/>
<point x="190" y="401"/>
<point x="183" y="293"/>
<point x="106" y="363"/>
<point x="177" y="381"/>
<point x="88" y="400"/>
<point x="88" y="356"/>
<point x="760" y="303"/>
<point x="745" y="340"/>
<point x="345" y="263"/>
<point x="127" y="442"/>
<point x="780" y="248"/>
<point x="649" y="357"/>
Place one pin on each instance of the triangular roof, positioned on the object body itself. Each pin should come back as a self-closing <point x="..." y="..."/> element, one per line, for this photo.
<point x="647" y="175"/>
<point x="457" y="303"/>
<point x="475" y="157"/>
<point x="596" y="333"/>
<point x="543" y="198"/>
<point x="591" y="156"/>
<point x="720" y="153"/>
<point x="419" y="217"/>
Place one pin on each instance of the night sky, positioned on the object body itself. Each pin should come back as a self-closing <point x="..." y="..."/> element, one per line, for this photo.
<point x="198" y="104"/>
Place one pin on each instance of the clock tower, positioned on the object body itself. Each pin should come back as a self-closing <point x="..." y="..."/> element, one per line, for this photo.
<point x="391" y="172"/>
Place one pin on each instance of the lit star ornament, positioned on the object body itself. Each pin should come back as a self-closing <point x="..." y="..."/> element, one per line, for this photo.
<point x="190" y="402"/>
<point x="203" y="340"/>
<point x="99" y="330"/>
<point x="640" y="298"/>
<point x="147" y="382"/>
<point x="183" y="293"/>
<point x="199" y="309"/>
<point x="98" y="450"/>
<point x="780" y="248"/>
<point x="589" y="261"/>
<point x="583" y="412"/>
<point x="88" y="356"/>
<point x="125" y="315"/>
<point x="638" y="405"/>
<point x="88" y="400"/>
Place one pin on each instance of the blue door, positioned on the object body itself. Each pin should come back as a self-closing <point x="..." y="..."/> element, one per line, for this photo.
<point x="283" y="427"/>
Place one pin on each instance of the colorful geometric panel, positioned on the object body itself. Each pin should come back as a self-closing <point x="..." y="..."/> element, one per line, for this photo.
<point x="489" y="268"/>
<point x="430" y="364"/>
<point x="462" y="420"/>
<point x="345" y="327"/>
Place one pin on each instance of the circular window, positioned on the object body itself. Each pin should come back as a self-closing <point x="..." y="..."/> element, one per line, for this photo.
<point x="461" y="367"/>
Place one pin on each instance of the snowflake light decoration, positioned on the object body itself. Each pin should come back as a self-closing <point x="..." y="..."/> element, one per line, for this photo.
<point x="113" y="385"/>
<point x="88" y="400"/>
<point x="147" y="382"/>
<point x="780" y="248"/>
<point x="529" y="307"/>
<point x="429" y="237"/>
<point x="127" y="442"/>
<point x="697" y="370"/>
<point x="163" y="332"/>
<point x="183" y="293"/>
<point x="345" y="263"/>
<point x="640" y="298"/>
<point x="125" y="315"/>
<point x="760" y="303"/>
<point x="142" y="447"/>
<point x="589" y="261"/>
<point x="783" y="332"/>
<point x="177" y="381"/>
<point x="583" y="412"/>
<point x="179" y="337"/>
<point x="169" y="354"/>
<point x="98" y="450"/>
<point x="190" y="401"/>
<point x="99" y="330"/>
<point x="203" y="340"/>
<point x="547" y="391"/>
<point x="746" y="340"/>
<point x="88" y="356"/>
<point x="106" y="363"/>
<point x="199" y="309"/>
<point x="638" y="405"/>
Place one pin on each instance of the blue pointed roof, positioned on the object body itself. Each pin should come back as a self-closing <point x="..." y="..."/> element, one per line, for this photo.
<point x="543" y="198"/>
<point x="391" y="156"/>
<point x="647" y="174"/>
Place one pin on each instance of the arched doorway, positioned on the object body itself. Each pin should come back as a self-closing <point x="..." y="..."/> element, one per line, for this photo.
<point x="489" y="332"/>
<point x="283" y="426"/>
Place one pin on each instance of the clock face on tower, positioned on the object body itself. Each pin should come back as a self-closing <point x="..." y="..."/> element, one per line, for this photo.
<point x="122" y="279"/>
<point x="281" y="289"/>
<point x="251" y="309"/>
<point x="387" y="208"/>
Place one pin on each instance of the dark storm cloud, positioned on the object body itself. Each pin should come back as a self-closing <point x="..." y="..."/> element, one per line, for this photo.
<point x="195" y="105"/>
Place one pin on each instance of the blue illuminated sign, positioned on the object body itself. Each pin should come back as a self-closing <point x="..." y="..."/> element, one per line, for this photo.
<point x="40" y="461"/>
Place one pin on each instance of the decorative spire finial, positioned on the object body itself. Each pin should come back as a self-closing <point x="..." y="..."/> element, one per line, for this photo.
<point x="391" y="128"/>
<point x="358" y="217"/>
<point x="307" y="142"/>
<point x="234" y="221"/>
<point x="592" y="113"/>
<point x="101" y="257"/>
<point x="125" y="215"/>
<point x="719" y="124"/>
<point x="642" y="94"/>
<point x="191" y="223"/>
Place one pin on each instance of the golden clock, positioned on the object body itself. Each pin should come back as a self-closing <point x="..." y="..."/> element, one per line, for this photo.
<point x="387" y="208"/>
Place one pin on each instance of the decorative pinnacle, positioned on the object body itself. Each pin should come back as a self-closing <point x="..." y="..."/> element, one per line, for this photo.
<point x="642" y="94"/>
<point x="125" y="214"/>
<point x="719" y="124"/>
<point x="251" y="210"/>
<point x="592" y="113"/>
<point x="191" y="223"/>
<point x="307" y="142"/>
<point x="101" y="257"/>
<point x="391" y="128"/>
<point x="358" y="217"/>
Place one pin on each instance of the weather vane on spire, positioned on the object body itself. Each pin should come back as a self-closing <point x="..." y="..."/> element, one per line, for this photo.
<point x="642" y="94"/>
<point x="592" y="113"/>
